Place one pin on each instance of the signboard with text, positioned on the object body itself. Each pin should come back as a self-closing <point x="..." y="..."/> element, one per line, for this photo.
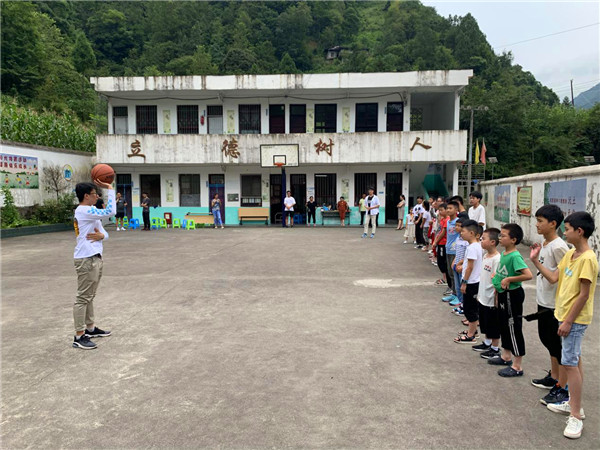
<point x="502" y="203"/>
<point x="569" y="196"/>
<point x="524" y="196"/>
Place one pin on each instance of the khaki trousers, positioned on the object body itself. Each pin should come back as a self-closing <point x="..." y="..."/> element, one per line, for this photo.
<point x="89" y="272"/>
<point x="373" y="221"/>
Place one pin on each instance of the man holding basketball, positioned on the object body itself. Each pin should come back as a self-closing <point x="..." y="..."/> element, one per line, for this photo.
<point x="88" y="259"/>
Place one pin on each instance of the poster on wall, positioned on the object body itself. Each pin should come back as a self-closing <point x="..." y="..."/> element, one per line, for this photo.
<point x="502" y="203"/>
<point x="19" y="172"/>
<point x="569" y="196"/>
<point x="524" y="196"/>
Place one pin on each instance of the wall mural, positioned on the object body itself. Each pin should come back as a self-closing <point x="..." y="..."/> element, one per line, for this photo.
<point x="19" y="172"/>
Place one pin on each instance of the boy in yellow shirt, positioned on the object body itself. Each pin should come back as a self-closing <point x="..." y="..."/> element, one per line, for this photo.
<point x="577" y="274"/>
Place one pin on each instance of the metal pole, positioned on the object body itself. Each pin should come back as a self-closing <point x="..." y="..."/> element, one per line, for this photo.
<point x="283" y="196"/>
<point x="470" y="156"/>
<point x="572" y="101"/>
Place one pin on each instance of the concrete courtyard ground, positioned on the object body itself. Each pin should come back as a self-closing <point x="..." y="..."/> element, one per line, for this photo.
<point x="256" y="337"/>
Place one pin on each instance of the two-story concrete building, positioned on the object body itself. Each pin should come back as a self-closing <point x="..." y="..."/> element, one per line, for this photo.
<point x="184" y="138"/>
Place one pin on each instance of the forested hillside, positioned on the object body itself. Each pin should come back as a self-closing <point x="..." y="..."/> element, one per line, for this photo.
<point x="49" y="49"/>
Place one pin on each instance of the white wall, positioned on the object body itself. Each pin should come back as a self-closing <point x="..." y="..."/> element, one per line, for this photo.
<point x="80" y="162"/>
<point x="537" y="182"/>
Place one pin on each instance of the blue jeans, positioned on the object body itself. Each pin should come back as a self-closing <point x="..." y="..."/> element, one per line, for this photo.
<point x="217" y="216"/>
<point x="457" y="281"/>
<point x="571" y="345"/>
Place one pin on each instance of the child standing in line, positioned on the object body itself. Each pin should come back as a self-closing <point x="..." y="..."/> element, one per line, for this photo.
<point x="460" y="248"/>
<point x="576" y="275"/>
<point x="439" y="243"/>
<point x="512" y="271"/>
<point x="549" y="255"/>
<point x="471" y="273"/>
<point x="489" y="321"/>
<point x="410" y="228"/>
<point x="451" y="236"/>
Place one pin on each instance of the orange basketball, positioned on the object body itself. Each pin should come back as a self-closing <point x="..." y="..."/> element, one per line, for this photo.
<point x="103" y="172"/>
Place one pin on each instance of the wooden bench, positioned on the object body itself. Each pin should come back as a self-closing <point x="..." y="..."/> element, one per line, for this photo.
<point x="205" y="218"/>
<point x="253" y="214"/>
<point x="333" y="213"/>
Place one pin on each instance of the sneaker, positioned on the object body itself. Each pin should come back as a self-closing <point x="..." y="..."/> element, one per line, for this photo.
<point x="556" y="395"/>
<point x="563" y="408"/>
<point x="574" y="428"/>
<point x="459" y="312"/>
<point x="491" y="353"/>
<point x="405" y="242"/>
<point x="84" y="343"/>
<point x="447" y="292"/>
<point x="97" y="333"/>
<point x="372" y="235"/>
<point x="222" y="227"/>
<point x="509" y="372"/>
<point x="454" y="302"/>
<point x="481" y="347"/>
<point x="448" y="298"/>
<point x="118" y="229"/>
<point x="418" y="246"/>
<point x="544" y="383"/>
<point x="498" y="361"/>
<point x="364" y="235"/>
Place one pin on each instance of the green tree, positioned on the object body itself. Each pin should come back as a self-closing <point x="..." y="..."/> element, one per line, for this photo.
<point x="287" y="64"/>
<point x="109" y="34"/>
<point x="84" y="58"/>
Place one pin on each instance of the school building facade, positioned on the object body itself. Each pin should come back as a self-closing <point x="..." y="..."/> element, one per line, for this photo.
<point x="183" y="138"/>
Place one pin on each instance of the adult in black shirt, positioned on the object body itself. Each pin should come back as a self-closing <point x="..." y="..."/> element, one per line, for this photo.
<point x="100" y="202"/>
<point x="311" y="208"/>
<point x="146" y="210"/>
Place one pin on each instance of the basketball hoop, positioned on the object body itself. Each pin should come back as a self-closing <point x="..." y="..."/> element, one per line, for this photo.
<point x="279" y="164"/>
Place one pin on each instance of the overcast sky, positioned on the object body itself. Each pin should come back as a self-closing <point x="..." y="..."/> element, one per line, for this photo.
<point x="553" y="60"/>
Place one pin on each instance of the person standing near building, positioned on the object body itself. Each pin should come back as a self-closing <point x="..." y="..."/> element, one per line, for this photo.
<point x="311" y="211"/>
<point x="215" y="208"/>
<point x="121" y="204"/>
<point x="362" y="208"/>
<point x="342" y="207"/>
<point x="372" y="209"/>
<point x="100" y="201"/>
<point x="146" y="210"/>
<point x="88" y="260"/>
<point x="476" y="211"/>
<point x="401" y="212"/>
<point x="289" y="202"/>
<point x="418" y="221"/>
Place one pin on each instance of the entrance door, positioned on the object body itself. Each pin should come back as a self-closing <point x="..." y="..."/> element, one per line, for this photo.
<point x="151" y="185"/>
<point x="393" y="189"/>
<point x="124" y="185"/>
<point x="275" y="194"/>
<point x="216" y="185"/>
<point x="298" y="188"/>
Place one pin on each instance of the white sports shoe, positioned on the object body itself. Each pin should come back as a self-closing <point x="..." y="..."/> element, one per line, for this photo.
<point x="563" y="408"/>
<point x="574" y="428"/>
<point x="118" y="229"/>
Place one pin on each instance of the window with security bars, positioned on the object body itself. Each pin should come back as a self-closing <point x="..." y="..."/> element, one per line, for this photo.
<point x="276" y="119"/>
<point x="325" y="118"/>
<point x="416" y="119"/>
<point x="189" y="190"/>
<point x="187" y="119"/>
<point x="251" y="190"/>
<point x="146" y="119"/>
<point x="366" y="117"/>
<point x="395" y="116"/>
<point x="215" y="119"/>
<point x="362" y="183"/>
<point x="297" y="118"/>
<point x="325" y="189"/>
<point x="249" y="119"/>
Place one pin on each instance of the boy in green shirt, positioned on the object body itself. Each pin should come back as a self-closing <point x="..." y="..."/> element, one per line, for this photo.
<point x="512" y="271"/>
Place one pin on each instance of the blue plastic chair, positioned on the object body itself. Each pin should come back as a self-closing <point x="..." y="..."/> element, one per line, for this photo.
<point x="155" y="224"/>
<point x="134" y="224"/>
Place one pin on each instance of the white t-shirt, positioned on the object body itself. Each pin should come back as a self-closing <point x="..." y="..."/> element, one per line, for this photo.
<point x="87" y="218"/>
<point x="426" y="218"/>
<point x="550" y="256"/>
<point x="474" y="253"/>
<point x="417" y="210"/>
<point x="372" y="202"/>
<point x="289" y="201"/>
<point x="487" y="292"/>
<point x="478" y="215"/>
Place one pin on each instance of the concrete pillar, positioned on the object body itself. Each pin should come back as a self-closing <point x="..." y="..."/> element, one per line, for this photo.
<point x="454" y="167"/>
<point x="406" y="181"/>
<point x="110" y="118"/>
<point x="407" y="113"/>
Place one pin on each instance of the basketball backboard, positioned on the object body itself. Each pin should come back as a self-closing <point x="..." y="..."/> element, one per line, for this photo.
<point x="271" y="155"/>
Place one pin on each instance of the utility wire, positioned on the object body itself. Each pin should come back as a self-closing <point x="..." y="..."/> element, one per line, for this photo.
<point x="548" y="35"/>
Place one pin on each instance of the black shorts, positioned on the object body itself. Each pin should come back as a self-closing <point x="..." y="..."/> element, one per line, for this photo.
<point x="289" y="214"/>
<point x="510" y="309"/>
<point x="548" y="332"/>
<point x="119" y="215"/>
<point x="489" y="321"/>
<point x="470" y="302"/>
<point x="441" y="258"/>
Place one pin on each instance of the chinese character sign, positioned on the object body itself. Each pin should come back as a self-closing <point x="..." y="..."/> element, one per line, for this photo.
<point x="19" y="172"/>
<point x="502" y="203"/>
<point x="524" y="195"/>
<point x="230" y="148"/>
<point x="569" y="196"/>
<point x="323" y="147"/>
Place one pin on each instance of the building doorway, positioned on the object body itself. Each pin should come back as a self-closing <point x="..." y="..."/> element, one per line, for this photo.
<point x="216" y="185"/>
<point x="275" y="197"/>
<point x="298" y="188"/>
<point x="151" y="185"/>
<point x="393" y="189"/>
<point x="124" y="185"/>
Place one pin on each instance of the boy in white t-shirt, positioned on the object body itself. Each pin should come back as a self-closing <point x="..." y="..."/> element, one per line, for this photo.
<point x="489" y="321"/>
<point x="372" y="206"/>
<point x="289" y="202"/>
<point x="471" y="274"/>
<point x="476" y="211"/>
<point x="552" y="250"/>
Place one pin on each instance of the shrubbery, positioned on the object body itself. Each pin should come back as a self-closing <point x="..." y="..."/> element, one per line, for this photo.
<point x="52" y="211"/>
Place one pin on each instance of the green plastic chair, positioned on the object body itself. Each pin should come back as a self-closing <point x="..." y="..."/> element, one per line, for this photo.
<point x="163" y="223"/>
<point x="126" y="222"/>
<point x="176" y="223"/>
<point x="191" y="225"/>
